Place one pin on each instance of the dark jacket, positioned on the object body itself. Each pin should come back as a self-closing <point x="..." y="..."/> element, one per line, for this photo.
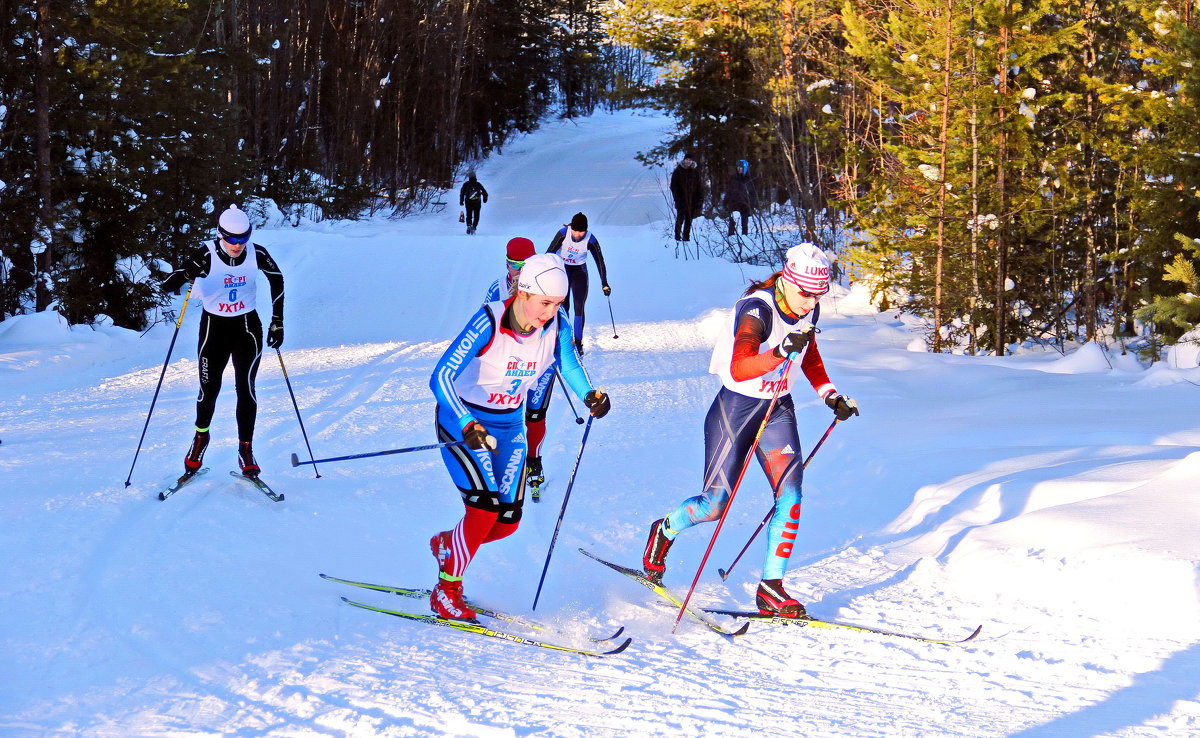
<point x="740" y="194"/>
<point x="471" y="190"/>
<point x="688" y="191"/>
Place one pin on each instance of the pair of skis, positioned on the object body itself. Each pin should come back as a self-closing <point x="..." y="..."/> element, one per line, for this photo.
<point x="189" y="477"/>
<point x="705" y="616"/>
<point x="477" y="628"/>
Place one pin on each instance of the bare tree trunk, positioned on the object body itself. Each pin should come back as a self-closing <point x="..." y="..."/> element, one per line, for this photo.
<point x="45" y="228"/>
<point x="976" y="292"/>
<point x="943" y="160"/>
<point x="1090" y="306"/>
<point x="1001" y="191"/>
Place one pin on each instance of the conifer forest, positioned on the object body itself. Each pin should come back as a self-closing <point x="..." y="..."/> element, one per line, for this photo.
<point x="1009" y="170"/>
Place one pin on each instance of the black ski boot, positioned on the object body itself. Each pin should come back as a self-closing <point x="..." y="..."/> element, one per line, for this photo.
<point x="534" y="476"/>
<point x="195" y="455"/>
<point x="246" y="460"/>
<point x="654" y="559"/>
<point x="773" y="599"/>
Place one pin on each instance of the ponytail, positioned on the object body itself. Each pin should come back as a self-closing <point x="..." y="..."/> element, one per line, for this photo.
<point x="766" y="284"/>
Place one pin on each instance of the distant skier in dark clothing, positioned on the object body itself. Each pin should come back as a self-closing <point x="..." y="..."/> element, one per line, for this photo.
<point x="740" y="197"/>
<point x="472" y="196"/>
<point x="225" y="273"/>
<point x="572" y="243"/>
<point x="688" y="193"/>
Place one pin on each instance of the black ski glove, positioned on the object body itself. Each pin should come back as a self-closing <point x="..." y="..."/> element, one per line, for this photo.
<point x="598" y="403"/>
<point x="478" y="438"/>
<point x="796" y="341"/>
<point x="607" y="290"/>
<point x="843" y="407"/>
<point x="275" y="334"/>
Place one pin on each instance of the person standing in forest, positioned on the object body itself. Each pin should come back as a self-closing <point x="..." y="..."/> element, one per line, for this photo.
<point x="740" y="197"/>
<point x="687" y="190"/>
<point x="472" y="196"/>
<point x="225" y="272"/>
<point x="480" y="384"/>
<point x="774" y="320"/>
<point x="573" y="242"/>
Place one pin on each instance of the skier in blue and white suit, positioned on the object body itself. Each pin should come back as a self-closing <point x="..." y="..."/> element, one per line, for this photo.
<point x="537" y="403"/>
<point x="480" y="384"/>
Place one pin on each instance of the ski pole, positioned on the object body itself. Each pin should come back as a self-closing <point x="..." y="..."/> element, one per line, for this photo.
<point x="610" y="316"/>
<point x="567" y="392"/>
<point x="725" y="572"/>
<point x="566" y="498"/>
<point x="163" y="373"/>
<point x="297" y="407"/>
<point x="297" y="462"/>
<point x="733" y="492"/>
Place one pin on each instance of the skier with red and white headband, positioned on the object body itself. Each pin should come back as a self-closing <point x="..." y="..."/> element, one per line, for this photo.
<point x="480" y="384"/>
<point x="776" y="318"/>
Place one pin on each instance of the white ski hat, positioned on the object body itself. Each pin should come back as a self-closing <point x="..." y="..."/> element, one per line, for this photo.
<point x="543" y="274"/>
<point x="234" y="222"/>
<point x="807" y="267"/>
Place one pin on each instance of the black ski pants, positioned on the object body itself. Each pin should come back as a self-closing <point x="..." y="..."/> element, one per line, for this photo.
<point x="473" y="207"/>
<point x="239" y="338"/>
<point x="577" y="290"/>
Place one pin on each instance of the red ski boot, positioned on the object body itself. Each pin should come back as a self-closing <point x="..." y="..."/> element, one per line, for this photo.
<point x="447" y="601"/>
<point x="195" y="455"/>
<point x="772" y="599"/>
<point x="654" y="559"/>
<point x="246" y="459"/>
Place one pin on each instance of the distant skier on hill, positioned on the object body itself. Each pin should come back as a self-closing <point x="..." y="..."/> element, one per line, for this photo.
<point x="480" y="384"/>
<point x="472" y="196"/>
<point x="225" y="272"/>
<point x="775" y="318"/>
<point x="573" y="242"/>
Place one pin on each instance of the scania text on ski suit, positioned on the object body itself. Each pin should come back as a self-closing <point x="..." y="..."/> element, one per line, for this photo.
<point x="480" y="384"/>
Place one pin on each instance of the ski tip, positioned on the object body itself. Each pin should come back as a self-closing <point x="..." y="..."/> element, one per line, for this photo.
<point x="973" y="635"/>
<point x="295" y="460"/>
<point x="163" y="496"/>
<point x="624" y="645"/>
<point x="742" y="630"/>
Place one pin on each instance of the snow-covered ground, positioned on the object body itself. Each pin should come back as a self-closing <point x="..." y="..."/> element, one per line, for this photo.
<point x="1050" y="499"/>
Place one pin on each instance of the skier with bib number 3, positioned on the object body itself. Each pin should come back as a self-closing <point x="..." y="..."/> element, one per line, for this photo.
<point x="774" y="319"/>
<point x="225" y="272"/>
<point x="537" y="403"/>
<point x="480" y="384"/>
